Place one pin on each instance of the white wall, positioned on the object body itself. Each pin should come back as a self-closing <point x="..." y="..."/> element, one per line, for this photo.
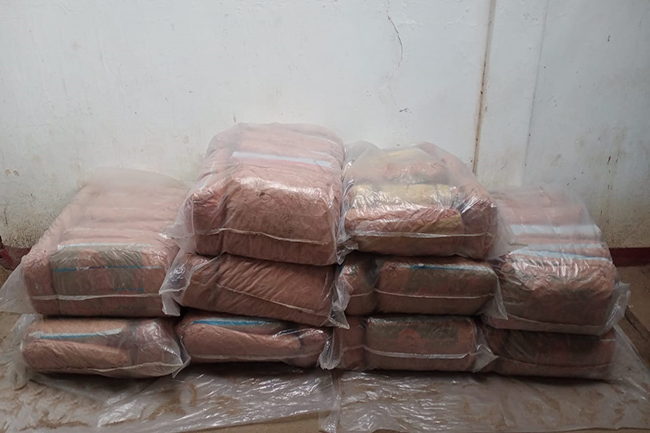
<point x="146" y="83"/>
<point x="590" y="128"/>
<point x="517" y="33"/>
<point x="568" y="102"/>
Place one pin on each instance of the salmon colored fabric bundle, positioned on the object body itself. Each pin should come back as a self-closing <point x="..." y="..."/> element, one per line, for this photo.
<point x="358" y="276"/>
<point x="426" y="343"/>
<point x="108" y="347"/>
<point x="351" y="342"/>
<point x="210" y="337"/>
<point x="415" y="201"/>
<point x="526" y="353"/>
<point x="106" y="254"/>
<point x="252" y="287"/>
<point x="416" y="285"/>
<point x="453" y="343"/>
<point x="270" y="192"/>
<point x="560" y="276"/>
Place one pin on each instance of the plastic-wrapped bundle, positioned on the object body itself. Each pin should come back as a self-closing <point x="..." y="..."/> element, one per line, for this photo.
<point x="134" y="348"/>
<point x="425" y="343"/>
<point x="210" y="337"/>
<point x="269" y="192"/>
<point x="415" y="201"/>
<point x="561" y="278"/>
<point x="452" y="343"/>
<point x="358" y="276"/>
<point x="526" y="353"/>
<point x="350" y="344"/>
<point x="416" y="285"/>
<point x="252" y="287"/>
<point x="105" y="254"/>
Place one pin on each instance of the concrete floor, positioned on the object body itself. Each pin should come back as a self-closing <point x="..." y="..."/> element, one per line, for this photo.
<point x="637" y="322"/>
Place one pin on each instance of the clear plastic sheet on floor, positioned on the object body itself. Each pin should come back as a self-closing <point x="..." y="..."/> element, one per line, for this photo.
<point x="198" y="398"/>
<point x="488" y="403"/>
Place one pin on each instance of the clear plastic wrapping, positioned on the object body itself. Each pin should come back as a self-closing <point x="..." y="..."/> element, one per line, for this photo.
<point x="207" y="397"/>
<point x="421" y="343"/>
<point x="252" y="287"/>
<point x="560" y="277"/>
<point x="461" y="402"/>
<point x="197" y="398"/>
<point x="209" y="337"/>
<point x="135" y="348"/>
<point x="269" y="192"/>
<point x="550" y="354"/>
<point x="415" y="201"/>
<point x="105" y="254"/>
<point x="455" y="343"/>
<point x="416" y="285"/>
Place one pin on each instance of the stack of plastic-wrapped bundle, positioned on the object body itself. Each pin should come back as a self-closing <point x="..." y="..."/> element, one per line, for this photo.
<point x="435" y="273"/>
<point x="561" y="292"/>
<point x="422" y="227"/>
<point x="258" y="237"/>
<point x="94" y="277"/>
